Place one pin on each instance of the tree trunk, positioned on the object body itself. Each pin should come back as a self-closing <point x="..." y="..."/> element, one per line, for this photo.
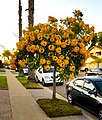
<point x="20" y="19"/>
<point x="32" y="76"/>
<point x="30" y="12"/>
<point x="21" y="73"/>
<point x="97" y="64"/>
<point x="54" y="83"/>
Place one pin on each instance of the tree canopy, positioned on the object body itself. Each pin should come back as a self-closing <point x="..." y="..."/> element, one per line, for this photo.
<point x="57" y="43"/>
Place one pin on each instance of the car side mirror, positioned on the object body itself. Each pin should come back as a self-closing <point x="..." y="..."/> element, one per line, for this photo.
<point x="94" y="92"/>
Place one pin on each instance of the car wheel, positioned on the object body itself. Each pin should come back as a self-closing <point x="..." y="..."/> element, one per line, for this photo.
<point x="100" y="114"/>
<point x="37" y="80"/>
<point x="61" y="83"/>
<point x="43" y="82"/>
<point x="70" y="99"/>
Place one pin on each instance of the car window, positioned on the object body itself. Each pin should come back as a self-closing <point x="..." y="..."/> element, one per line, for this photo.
<point x="98" y="69"/>
<point x="98" y="85"/>
<point x="25" y="67"/>
<point x="88" y="85"/>
<point x="49" y="71"/>
<point x="78" y="82"/>
<point x="39" y="70"/>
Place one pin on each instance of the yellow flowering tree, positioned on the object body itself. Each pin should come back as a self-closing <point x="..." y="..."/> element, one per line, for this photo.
<point x="61" y="44"/>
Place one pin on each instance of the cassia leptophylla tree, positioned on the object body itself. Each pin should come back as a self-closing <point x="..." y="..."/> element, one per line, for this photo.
<point x="61" y="44"/>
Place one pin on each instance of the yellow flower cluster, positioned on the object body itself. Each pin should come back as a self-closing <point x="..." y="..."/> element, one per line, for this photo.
<point x="32" y="48"/>
<point x="12" y="63"/>
<point x="56" y="44"/>
<point x="21" y="63"/>
<point x="72" y="20"/>
<point x="47" y="67"/>
<point x="42" y="61"/>
<point x="43" y="43"/>
<point x="71" y="75"/>
<point x="20" y="45"/>
<point x="72" y="68"/>
<point x="74" y="42"/>
<point x="51" y="47"/>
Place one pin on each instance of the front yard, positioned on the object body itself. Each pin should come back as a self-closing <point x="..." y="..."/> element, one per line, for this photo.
<point x="3" y="83"/>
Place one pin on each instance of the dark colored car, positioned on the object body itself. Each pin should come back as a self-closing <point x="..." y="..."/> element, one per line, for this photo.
<point x="95" y="71"/>
<point x="87" y="92"/>
<point x="25" y="70"/>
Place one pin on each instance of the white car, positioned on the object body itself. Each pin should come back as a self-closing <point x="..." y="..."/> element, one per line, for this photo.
<point x="46" y="77"/>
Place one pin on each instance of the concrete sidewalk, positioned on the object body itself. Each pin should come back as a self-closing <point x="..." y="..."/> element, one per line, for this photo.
<point x="24" y="105"/>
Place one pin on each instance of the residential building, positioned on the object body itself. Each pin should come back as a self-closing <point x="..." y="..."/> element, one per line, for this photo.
<point x="94" y="60"/>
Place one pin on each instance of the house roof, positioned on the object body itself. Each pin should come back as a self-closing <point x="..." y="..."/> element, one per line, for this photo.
<point x="94" y="47"/>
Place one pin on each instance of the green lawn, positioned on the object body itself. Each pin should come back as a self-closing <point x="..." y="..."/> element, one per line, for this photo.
<point x="28" y="85"/>
<point x="58" y="108"/>
<point x="3" y="82"/>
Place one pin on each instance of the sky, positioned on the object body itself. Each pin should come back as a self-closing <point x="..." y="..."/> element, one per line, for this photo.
<point x="92" y="10"/>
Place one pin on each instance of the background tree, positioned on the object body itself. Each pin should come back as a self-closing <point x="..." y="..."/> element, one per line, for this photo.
<point x="100" y="38"/>
<point x="30" y="12"/>
<point x="6" y="53"/>
<point x="94" y="41"/>
<point x="62" y="45"/>
<point x="98" y="61"/>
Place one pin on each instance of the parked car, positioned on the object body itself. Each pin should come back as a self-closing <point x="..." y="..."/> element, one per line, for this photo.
<point x="7" y="66"/>
<point x="95" y="71"/>
<point x="25" y="70"/>
<point x="84" y="69"/>
<point x="87" y="92"/>
<point x="46" y="77"/>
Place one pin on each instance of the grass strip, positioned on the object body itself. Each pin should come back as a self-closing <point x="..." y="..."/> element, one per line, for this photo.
<point x="3" y="83"/>
<point x="28" y="85"/>
<point x="58" y="108"/>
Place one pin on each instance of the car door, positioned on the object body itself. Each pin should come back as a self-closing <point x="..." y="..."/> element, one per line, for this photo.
<point x="39" y="74"/>
<point x="77" y="89"/>
<point x="90" y="100"/>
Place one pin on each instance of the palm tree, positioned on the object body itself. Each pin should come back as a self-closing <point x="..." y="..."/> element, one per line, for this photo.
<point x="30" y="12"/>
<point x="20" y="19"/>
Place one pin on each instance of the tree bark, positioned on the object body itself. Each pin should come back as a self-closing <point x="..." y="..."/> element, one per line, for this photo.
<point x="30" y="12"/>
<point x="54" y="83"/>
<point x="20" y="19"/>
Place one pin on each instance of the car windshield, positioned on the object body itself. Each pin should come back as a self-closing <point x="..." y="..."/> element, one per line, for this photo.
<point x="97" y="69"/>
<point x="49" y="71"/>
<point x="99" y="86"/>
<point x="25" y="67"/>
<point x="100" y="69"/>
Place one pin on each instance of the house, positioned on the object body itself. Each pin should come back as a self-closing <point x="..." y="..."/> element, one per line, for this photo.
<point x="94" y="60"/>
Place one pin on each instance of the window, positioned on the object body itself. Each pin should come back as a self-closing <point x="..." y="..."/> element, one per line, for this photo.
<point x="98" y="53"/>
<point x="98" y="85"/>
<point x="91" y="53"/>
<point x="78" y="82"/>
<point x="49" y="71"/>
<point x="88" y="85"/>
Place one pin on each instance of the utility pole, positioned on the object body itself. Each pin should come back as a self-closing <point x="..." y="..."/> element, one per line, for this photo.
<point x="20" y="19"/>
<point x="30" y="12"/>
